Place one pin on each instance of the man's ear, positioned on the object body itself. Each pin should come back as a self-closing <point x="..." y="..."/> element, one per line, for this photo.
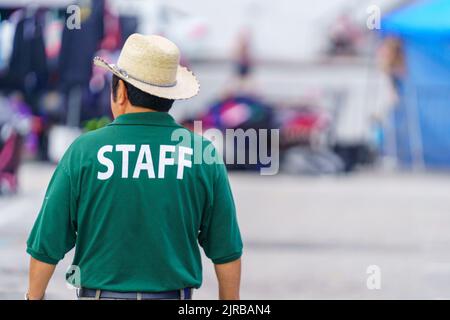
<point x="122" y="95"/>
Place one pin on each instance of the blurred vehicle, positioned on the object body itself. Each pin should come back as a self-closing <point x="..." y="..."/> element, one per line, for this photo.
<point x="238" y="112"/>
<point x="305" y="146"/>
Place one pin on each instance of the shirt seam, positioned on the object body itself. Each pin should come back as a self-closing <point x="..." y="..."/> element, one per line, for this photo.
<point x="73" y="196"/>
<point x="147" y="125"/>
<point x="66" y="172"/>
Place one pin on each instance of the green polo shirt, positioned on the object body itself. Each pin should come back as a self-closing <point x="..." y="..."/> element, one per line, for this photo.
<point x="136" y="203"/>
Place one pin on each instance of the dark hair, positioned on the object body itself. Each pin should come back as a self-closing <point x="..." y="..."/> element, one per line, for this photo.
<point x="140" y="98"/>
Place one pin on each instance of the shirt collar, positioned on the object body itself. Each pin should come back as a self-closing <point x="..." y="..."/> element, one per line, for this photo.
<point x="146" y="118"/>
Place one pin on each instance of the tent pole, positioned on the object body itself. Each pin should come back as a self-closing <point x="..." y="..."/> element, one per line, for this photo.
<point x="414" y="129"/>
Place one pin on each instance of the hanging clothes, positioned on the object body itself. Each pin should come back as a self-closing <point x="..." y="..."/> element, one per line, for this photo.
<point x="79" y="45"/>
<point x="7" y="30"/>
<point x="28" y="70"/>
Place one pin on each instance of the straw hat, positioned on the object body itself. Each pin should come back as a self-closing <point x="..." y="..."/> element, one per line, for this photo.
<point x="151" y="64"/>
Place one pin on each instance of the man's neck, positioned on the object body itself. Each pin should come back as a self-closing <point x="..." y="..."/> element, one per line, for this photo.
<point x="137" y="109"/>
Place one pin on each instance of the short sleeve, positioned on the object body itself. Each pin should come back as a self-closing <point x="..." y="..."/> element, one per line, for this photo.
<point x="219" y="233"/>
<point x="54" y="231"/>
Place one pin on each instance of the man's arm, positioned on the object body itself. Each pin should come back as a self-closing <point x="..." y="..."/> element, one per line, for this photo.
<point x="229" y="278"/>
<point x="39" y="276"/>
<point x="54" y="231"/>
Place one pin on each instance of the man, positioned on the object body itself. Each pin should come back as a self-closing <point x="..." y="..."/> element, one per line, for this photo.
<point x="132" y="199"/>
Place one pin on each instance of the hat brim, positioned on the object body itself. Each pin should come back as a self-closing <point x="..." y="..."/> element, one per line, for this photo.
<point x="186" y="86"/>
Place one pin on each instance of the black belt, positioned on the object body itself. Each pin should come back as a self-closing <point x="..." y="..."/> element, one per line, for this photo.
<point x="183" y="294"/>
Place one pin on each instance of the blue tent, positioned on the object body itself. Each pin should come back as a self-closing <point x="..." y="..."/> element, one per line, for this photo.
<point x="422" y="19"/>
<point x="423" y="116"/>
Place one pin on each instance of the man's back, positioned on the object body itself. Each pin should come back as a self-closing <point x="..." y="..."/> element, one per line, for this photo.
<point x="139" y="205"/>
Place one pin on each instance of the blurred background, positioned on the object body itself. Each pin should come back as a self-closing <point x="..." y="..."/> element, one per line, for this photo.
<point x="358" y="89"/>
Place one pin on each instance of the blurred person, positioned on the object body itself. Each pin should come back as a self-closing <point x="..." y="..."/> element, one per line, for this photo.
<point x="243" y="54"/>
<point x="243" y="65"/>
<point x="344" y="36"/>
<point x="137" y="234"/>
<point x="392" y="62"/>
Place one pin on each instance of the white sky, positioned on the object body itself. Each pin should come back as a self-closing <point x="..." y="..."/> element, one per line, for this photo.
<point x="284" y="29"/>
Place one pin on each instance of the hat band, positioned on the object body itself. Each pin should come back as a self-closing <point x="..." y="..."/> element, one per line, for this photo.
<point x="126" y="75"/>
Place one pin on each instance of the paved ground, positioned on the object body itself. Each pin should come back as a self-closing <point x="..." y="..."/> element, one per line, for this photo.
<point x="305" y="237"/>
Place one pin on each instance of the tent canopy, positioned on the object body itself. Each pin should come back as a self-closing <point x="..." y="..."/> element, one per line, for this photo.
<point x="422" y="18"/>
<point x="422" y="117"/>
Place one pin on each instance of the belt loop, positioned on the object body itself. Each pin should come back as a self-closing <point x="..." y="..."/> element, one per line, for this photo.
<point x="139" y="296"/>
<point x="182" y="297"/>
<point x="97" y="294"/>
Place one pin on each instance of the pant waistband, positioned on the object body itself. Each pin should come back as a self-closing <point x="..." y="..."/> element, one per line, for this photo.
<point x="97" y="294"/>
